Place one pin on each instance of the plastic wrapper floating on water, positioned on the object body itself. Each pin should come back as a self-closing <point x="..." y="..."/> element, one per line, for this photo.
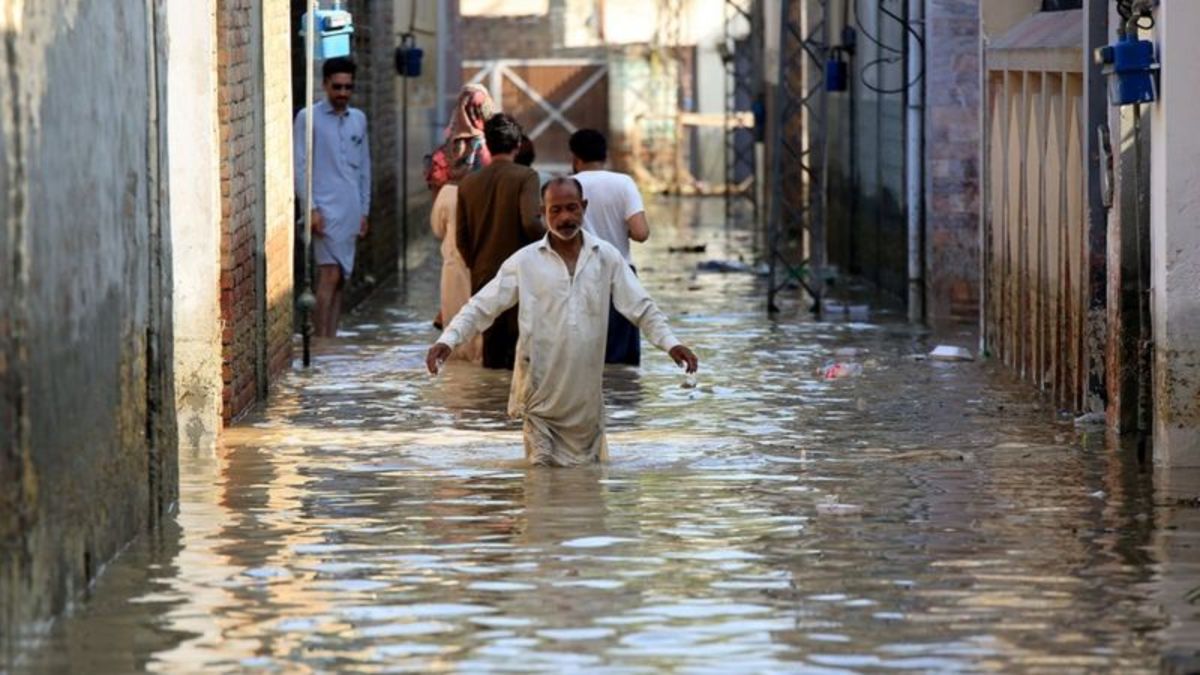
<point x="838" y="371"/>
<point x="950" y="353"/>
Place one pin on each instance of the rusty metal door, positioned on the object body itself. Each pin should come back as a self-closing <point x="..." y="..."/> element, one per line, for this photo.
<point x="551" y="98"/>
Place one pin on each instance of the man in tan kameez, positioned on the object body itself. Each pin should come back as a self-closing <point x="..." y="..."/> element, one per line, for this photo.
<point x="497" y="215"/>
<point x="564" y="284"/>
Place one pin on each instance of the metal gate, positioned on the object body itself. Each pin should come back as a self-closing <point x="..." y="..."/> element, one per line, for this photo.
<point x="1035" y="231"/>
<point x="551" y="98"/>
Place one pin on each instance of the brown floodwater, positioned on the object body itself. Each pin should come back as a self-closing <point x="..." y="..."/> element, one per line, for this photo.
<point x="920" y="516"/>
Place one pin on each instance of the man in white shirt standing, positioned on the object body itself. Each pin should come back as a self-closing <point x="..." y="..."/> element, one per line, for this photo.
<point x="565" y="284"/>
<point x="341" y="184"/>
<point x="615" y="213"/>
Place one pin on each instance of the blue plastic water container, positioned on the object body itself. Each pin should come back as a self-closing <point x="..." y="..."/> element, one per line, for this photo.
<point x="1129" y="64"/>
<point x="408" y="57"/>
<point x="837" y="75"/>
<point x="334" y="28"/>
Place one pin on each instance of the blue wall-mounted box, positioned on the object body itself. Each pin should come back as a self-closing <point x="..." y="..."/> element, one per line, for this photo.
<point x="1130" y="65"/>
<point x="334" y="28"/>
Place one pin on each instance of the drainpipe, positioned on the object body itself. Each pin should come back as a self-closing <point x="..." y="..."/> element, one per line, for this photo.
<point x="443" y="36"/>
<point x="308" y="301"/>
<point x="914" y="158"/>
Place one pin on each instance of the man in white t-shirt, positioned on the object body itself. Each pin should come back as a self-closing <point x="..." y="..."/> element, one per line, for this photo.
<point x="615" y="214"/>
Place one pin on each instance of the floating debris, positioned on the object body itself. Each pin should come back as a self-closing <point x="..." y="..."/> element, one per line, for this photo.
<point x="837" y="371"/>
<point x="951" y="353"/>
<point x="730" y="267"/>
<point x="930" y="456"/>
<point x="830" y="506"/>
<point x="853" y="312"/>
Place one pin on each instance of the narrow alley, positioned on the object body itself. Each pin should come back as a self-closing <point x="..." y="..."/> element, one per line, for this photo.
<point x="374" y="519"/>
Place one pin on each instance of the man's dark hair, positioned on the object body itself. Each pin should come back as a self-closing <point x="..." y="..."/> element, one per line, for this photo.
<point x="589" y="145"/>
<point x="526" y="154"/>
<point x="502" y="133"/>
<point x="563" y="180"/>
<point x="339" y="64"/>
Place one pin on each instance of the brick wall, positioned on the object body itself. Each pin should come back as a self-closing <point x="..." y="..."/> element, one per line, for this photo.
<point x="508" y="37"/>
<point x="254" y="113"/>
<point x="237" y="65"/>
<point x="952" y="127"/>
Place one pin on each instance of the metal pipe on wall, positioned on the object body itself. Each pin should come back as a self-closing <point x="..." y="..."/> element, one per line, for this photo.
<point x="985" y="211"/>
<point x="308" y="301"/>
<point x="914" y="157"/>
<point x="775" y="100"/>
<point x="441" y="106"/>
<point x="404" y="180"/>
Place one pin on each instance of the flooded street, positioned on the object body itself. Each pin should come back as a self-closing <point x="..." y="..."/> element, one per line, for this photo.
<point x="922" y="516"/>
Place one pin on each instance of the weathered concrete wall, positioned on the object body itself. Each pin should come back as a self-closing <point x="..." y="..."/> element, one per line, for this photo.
<point x="278" y="196"/>
<point x="952" y="157"/>
<point x="1175" y="238"/>
<point x="195" y="218"/>
<point x="504" y="7"/>
<point x="88" y="461"/>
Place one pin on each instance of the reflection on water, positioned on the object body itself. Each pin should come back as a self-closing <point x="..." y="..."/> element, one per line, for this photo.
<point x="922" y="516"/>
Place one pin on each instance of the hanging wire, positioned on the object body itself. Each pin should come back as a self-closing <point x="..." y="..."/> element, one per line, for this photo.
<point x="858" y="13"/>
<point x="899" y="53"/>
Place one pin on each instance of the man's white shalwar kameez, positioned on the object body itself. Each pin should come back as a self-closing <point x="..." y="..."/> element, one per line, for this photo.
<point x="558" y="378"/>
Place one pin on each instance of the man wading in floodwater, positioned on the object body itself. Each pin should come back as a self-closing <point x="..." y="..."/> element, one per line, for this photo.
<point x="564" y="284"/>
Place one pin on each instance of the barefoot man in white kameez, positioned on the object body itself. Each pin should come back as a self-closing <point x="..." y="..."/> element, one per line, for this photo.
<point x="564" y="284"/>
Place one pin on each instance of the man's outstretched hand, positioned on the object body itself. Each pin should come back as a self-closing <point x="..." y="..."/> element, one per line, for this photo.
<point x="437" y="354"/>
<point x="682" y="355"/>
